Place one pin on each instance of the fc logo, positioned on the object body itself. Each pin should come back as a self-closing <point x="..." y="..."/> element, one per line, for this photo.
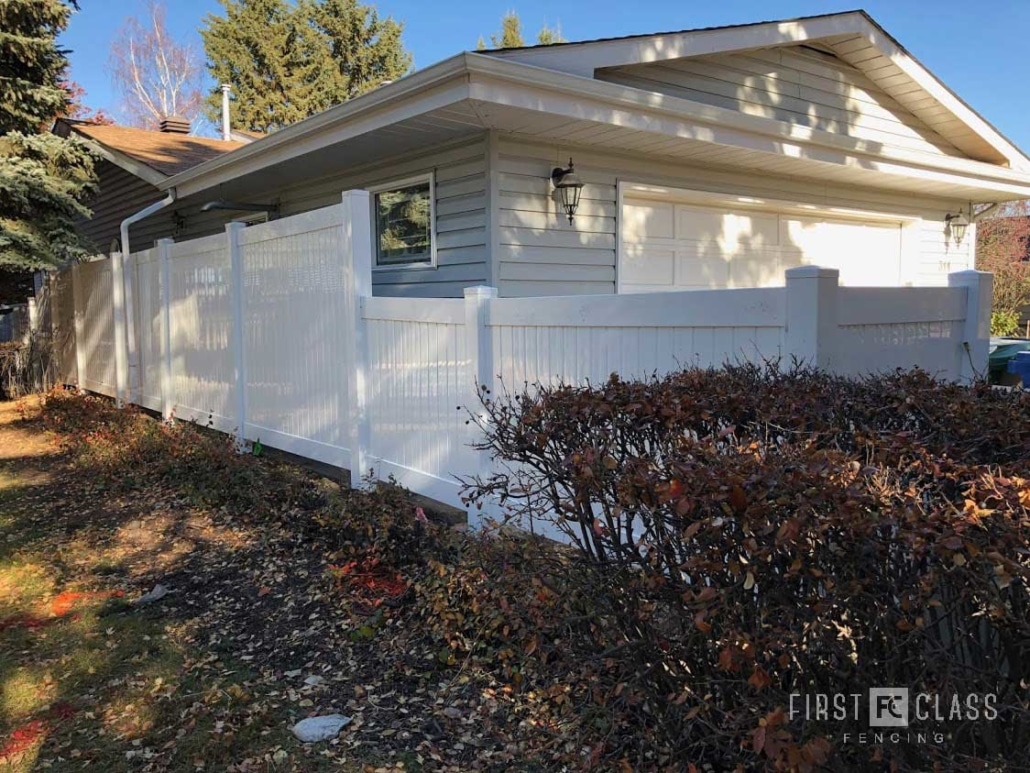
<point x="888" y="707"/>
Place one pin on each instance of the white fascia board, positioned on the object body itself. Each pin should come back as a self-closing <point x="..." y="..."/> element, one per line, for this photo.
<point x="592" y="100"/>
<point x="583" y="58"/>
<point x="437" y="86"/>
<point x="944" y="96"/>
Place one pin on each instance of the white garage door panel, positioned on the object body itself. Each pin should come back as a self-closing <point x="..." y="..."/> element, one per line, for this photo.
<point x="672" y="246"/>
<point x="650" y="265"/>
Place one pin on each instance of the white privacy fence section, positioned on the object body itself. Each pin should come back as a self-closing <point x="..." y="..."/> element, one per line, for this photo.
<point x="93" y="291"/>
<point x="418" y="373"/>
<point x="200" y="313"/>
<point x="147" y="328"/>
<point x="898" y="327"/>
<point x="587" y="338"/>
<point x="271" y="332"/>
<point x="294" y="325"/>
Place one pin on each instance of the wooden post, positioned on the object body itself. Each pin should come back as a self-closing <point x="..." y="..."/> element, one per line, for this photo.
<point x="356" y="227"/>
<point x="811" y="335"/>
<point x="976" y="336"/>
<point x="239" y="344"/>
<point x="482" y="372"/>
<point x="164" y="256"/>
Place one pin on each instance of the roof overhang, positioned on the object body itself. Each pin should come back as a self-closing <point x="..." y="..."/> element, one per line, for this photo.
<point x="472" y="92"/>
<point x="130" y="165"/>
<point x="853" y="36"/>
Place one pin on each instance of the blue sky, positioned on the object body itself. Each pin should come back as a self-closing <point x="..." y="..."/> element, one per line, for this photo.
<point x="978" y="49"/>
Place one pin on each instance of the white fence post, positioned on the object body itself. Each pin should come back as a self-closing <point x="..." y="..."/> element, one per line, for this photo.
<point x="976" y="335"/>
<point x="482" y="371"/>
<point x="356" y="225"/>
<point x="232" y="235"/>
<point x="164" y="256"/>
<point x="133" y="386"/>
<point x="121" y="355"/>
<point x="811" y="334"/>
<point x="79" y="317"/>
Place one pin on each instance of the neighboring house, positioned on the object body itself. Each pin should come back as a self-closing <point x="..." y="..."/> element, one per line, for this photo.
<point x="135" y="163"/>
<point x="711" y="158"/>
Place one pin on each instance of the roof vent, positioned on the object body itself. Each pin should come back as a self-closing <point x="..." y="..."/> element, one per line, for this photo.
<point x="175" y="124"/>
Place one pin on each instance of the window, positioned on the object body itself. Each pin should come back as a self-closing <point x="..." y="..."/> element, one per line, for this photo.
<point x="404" y="222"/>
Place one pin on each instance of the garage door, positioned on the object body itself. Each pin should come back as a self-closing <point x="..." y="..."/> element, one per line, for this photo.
<point x="668" y="245"/>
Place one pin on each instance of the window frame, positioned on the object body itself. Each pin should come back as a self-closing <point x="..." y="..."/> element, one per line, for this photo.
<point x="404" y="182"/>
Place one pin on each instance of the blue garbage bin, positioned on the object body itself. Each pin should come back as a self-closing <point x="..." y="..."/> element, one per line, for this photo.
<point x="1020" y="365"/>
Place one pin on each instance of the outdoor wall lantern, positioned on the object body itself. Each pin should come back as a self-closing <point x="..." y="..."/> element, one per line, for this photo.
<point x="568" y="184"/>
<point x="957" y="224"/>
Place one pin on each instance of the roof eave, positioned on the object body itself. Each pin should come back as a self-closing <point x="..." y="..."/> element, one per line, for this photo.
<point x="483" y="77"/>
<point x="275" y="148"/>
<point x="134" y="167"/>
<point x="642" y="102"/>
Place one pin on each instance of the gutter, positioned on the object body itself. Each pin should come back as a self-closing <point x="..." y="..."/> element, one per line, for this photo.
<point x="121" y="297"/>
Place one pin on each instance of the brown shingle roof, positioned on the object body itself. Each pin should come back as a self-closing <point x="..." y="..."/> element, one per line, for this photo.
<point x="166" y="152"/>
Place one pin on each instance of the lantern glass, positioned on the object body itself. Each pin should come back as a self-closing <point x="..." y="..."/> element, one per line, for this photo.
<point x="570" y="198"/>
<point x="570" y="187"/>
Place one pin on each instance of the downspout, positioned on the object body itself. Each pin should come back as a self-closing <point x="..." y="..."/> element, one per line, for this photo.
<point x="123" y="332"/>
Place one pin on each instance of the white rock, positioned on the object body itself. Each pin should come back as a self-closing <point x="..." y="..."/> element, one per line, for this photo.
<point x="314" y="680"/>
<point x="314" y="729"/>
<point x="158" y="593"/>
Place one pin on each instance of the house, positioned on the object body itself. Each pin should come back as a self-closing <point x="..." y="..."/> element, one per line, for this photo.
<point x="134" y="163"/>
<point x="709" y="158"/>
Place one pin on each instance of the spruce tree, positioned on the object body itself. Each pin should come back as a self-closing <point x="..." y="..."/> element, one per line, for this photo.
<point x="45" y="180"/>
<point x="510" y="35"/>
<point x="287" y="61"/>
<point x="511" y="32"/>
<point x="355" y="50"/>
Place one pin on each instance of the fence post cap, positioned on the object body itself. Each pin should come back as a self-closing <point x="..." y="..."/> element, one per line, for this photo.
<point x="968" y="276"/>
<point x="812" y="272"/>
<point x="480" y="291"/>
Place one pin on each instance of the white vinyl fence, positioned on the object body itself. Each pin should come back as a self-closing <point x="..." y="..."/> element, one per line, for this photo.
<point x="271" y="332"/>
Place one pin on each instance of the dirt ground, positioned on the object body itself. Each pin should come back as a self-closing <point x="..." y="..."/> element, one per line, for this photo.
<point x="248" y="640"/>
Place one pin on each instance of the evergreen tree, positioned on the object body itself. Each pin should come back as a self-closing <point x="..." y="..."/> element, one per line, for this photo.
<point x="510" y="35"/>
<point x="45" y="179"/>
<point x="353" y="49"/>
<point x="287" y="61"/>
<point x="548" y="36"/>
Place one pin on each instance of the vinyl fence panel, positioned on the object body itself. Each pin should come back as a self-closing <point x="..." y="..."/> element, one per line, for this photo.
<point x="587" y="338"/>
<point x="271" y="332"/>
<point x="147" y="324"/>
<point x="94" y="308"/>
<point x="202" y="379"/>
<point x="419" y="375"/>
<point x="293" y="326"/>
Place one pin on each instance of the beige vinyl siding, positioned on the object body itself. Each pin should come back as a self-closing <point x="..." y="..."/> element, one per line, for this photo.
<point x="460" y="176"/>
<point x="794" y="85"/>
<point x="540" y="254"/>
<point x="120" y="195"/>
<point x="461" y="234"/>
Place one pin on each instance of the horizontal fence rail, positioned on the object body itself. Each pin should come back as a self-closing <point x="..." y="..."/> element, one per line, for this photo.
<point x="270" y="332"/>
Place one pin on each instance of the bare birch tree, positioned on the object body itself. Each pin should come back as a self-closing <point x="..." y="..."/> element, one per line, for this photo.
<point x="156" y="75"/>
